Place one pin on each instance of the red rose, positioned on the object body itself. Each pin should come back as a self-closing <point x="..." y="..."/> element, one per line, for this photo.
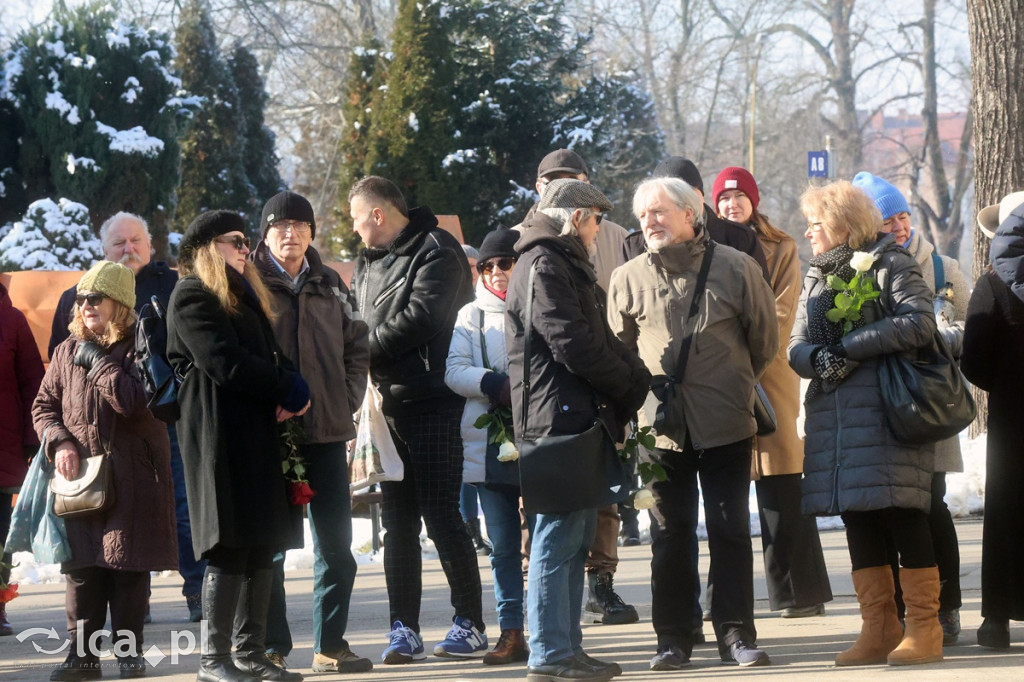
<point x="8" y="593"/>
<point x="299" y="493"/>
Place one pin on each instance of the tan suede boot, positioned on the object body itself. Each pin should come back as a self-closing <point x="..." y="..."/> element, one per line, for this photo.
<point x="880" y="630"/>
<point x="922" y="642"/>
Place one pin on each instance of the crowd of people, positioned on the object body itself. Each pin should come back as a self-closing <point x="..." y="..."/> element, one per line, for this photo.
<point x="555" y="326"/>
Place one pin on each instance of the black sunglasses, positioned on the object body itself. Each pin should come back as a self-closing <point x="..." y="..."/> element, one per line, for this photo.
<point x="504" y="264"/>
<point x="599" y="217"/>
<point x="93" y="299"/>
<point x="236" y="241"/>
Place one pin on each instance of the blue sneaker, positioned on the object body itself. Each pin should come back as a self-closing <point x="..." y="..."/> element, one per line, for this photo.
<point x="405" y="647"/>
<point x="463" y="641"/>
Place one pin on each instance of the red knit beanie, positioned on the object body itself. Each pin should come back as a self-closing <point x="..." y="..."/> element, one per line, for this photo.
<point x="735" y="177"/>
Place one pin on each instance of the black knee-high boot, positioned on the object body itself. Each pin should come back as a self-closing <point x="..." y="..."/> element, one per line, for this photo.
<point x="251" y="630"/>
<point x="220" y="595"/>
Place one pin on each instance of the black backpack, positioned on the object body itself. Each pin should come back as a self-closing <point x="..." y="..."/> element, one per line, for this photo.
<point x="158" y="378"/>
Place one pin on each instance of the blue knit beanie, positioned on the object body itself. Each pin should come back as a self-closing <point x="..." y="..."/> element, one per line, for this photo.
<point x="888" y="199"/>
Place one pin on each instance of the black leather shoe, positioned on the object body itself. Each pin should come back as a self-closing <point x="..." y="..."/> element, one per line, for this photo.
<point x="258" y="665"/>
<point x="570" y="668"/>
<point x="77" y="667"/>
<point x="994" y="634"/>
<point x="131" y="667"/>
<point x="609" y="666"/>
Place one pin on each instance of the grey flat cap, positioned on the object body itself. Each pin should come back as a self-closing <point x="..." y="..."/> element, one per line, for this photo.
<point x="568" y="193"/>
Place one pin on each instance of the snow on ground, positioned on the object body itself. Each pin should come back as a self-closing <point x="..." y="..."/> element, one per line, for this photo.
<point x="964" y="496"/>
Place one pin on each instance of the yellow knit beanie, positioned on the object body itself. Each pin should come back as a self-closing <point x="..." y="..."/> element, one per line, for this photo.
<point x="111" y="279"/>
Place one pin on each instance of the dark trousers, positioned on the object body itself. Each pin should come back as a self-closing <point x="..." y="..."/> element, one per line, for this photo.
<point x="946" y="548"/>
<point x="6" y="511"/>
<point x="724" y="473"/>
<point x="794" y="565"/>
<point x="334" y="567"/>
<point x="88" y="593"/>
<point x="190" y="568"/>
<point x="871" y="534"/>
<point x="430" y="446"/>
<point x="603" y="556"/>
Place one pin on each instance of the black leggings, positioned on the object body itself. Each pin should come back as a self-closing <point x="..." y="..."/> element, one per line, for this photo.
<point x="239" y="560"/>
<point x="870" y="533"/>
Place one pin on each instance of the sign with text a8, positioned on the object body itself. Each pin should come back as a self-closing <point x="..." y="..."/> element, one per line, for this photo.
<point x="817" y="164"/>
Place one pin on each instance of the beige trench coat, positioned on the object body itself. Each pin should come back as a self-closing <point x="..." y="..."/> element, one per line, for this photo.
<point x="783" y="451"/>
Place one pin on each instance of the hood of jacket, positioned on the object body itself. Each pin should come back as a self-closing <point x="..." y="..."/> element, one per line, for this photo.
<point x="1007" y="252"/>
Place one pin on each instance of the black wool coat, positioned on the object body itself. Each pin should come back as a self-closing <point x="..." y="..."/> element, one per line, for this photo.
<point x="228" y="432"/>
<point x="991" y="360"/>
<point x="579" y="370"/>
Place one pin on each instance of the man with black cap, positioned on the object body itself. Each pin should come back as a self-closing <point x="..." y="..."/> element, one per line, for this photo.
<point x="318" y="331"/>
<point x="583" y="374"/>
<point x="604" y="605"/>
<point x="411" y="280"/>
<point x="722" y="231"/>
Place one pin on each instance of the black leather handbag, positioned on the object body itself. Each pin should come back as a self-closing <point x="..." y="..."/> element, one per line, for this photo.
<point x="764" y="413"/>
<point x="925" y="394"/>
<point x="562" y="474"/>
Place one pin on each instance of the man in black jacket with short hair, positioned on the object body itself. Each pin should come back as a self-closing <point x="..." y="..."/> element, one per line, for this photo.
<point x="410" y="282"/>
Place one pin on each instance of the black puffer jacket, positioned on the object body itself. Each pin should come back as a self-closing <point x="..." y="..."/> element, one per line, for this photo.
<point x="409" y="294"/>
<point x="156" y="278"/>
<point x="578" y="369"/>
<point x="852" y="460"/>
<point x="316" y="330"/>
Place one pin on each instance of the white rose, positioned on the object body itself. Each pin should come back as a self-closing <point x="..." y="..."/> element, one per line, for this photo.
<point x="507" y="452"/>
<point x="861" y="261"/>
<point x="643" y="499"/>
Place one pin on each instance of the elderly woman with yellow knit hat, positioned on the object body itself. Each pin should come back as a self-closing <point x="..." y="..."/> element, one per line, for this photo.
<point x="91" y="402"/>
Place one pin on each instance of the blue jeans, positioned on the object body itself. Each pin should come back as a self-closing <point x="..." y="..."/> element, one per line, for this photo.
<point x="467" y="502"/>
<point x="557" y="560"/>
<point x="501" y="515"/>
<point x="190" y="568"/>
<point x="334" y="567"/>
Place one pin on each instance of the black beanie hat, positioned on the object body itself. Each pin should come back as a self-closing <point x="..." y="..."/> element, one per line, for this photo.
<point x="205" y="228"/>
<point x="684" y="169"/>
<point x="499" y="244"/>
<point x="287" y="206"/>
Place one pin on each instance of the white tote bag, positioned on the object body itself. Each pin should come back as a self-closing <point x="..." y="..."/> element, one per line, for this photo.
<point x="374" y="457"/>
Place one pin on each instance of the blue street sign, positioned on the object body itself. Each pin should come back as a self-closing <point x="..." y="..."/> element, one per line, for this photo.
<point x="817" y="164"/>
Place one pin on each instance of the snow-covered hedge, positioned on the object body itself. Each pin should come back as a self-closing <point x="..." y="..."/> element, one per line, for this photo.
<point x="51" y="236"/>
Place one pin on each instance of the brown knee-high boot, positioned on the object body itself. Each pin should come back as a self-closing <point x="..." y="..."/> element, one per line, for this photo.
<point x="922" y="642"/>
<point x="880" y="630"/>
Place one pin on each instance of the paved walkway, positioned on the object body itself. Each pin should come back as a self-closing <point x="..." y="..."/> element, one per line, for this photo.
<point x="802" y="648"/>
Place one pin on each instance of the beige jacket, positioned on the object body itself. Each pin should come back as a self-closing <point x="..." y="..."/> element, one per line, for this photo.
<point x="735" y="338"/>
<point x="783" y="451"/>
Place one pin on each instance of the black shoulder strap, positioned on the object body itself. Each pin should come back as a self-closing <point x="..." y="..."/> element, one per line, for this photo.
<point x="527" y="339"/>
<point x="691" y="316"/>
<point x="483" y="340"/>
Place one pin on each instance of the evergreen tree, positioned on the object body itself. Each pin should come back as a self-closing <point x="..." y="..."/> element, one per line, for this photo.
<point x="213" y="174"/>
<point x="260" y="158"/>
<point x="12" y="190"/>
<point x="612" y="124"/>
<point x="367" y="71"/>
<point x="412" y="131"/>
<point x="99" y="111"/>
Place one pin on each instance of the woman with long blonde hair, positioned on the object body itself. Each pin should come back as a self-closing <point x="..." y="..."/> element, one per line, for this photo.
<point x="236" y="386"/>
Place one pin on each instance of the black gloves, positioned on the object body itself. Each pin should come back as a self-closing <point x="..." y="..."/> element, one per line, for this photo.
<point x="498" y="388"/>
<point x="636" y="393"/>
<point x="89" y="354"/>
<point x="831" y="364"/>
